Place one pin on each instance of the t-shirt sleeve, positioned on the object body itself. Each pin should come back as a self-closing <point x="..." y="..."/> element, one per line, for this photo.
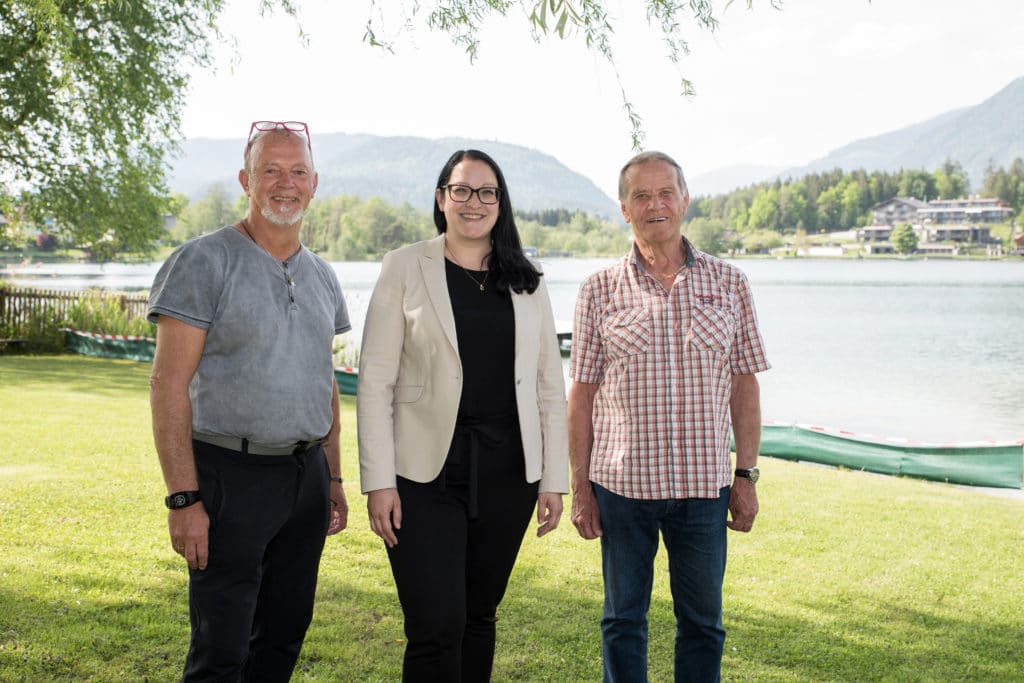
<point x="342" y="323"/>
<point x="187" y="286"/>
<point x="329" y="280"/>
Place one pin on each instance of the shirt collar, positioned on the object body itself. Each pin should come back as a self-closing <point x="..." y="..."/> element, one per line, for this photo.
<point x="692" y="255"/>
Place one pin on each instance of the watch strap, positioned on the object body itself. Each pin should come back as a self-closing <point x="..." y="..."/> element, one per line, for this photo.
<point x="751" y="473"/>
<point x="182" y="499"/>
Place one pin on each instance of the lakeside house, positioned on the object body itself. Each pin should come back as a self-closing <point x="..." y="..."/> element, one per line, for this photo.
<point x="964" y="211"/>
<point x="968" y="210"/>
<point x="895" y="211"/>
<point x="937" y="223"/>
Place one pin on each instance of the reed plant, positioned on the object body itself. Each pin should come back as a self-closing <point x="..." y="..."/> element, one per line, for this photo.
<point x="105" y="313"/>
<point x="846" y="576"/>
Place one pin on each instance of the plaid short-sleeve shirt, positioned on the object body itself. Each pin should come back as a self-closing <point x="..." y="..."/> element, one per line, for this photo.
<point x="664" y="360"/>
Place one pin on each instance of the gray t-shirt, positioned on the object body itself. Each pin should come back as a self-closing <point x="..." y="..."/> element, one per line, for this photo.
<point x="266" y="371"/>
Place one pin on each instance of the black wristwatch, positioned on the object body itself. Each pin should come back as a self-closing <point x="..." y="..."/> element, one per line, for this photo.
<point x="753" y="474"/>
<point x="182" y="499"/>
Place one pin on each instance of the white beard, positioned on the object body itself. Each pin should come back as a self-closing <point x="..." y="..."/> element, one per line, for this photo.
<point x="284" y="220"/>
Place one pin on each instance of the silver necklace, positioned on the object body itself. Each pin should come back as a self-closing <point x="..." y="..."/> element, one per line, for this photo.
<point x="281" y="265"/>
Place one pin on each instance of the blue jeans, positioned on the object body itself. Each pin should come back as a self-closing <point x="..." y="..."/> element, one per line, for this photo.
<point x="695" y="537"/>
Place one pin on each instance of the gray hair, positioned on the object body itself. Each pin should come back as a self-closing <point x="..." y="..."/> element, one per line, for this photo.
<point x="255" y="143"/>
<point x="646" y="157"/>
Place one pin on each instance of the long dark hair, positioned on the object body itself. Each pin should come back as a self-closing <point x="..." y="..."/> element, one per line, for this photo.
<point x="513" y="270"/>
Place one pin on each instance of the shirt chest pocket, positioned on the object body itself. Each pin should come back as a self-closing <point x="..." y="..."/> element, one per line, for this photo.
<point x="627" y="332"/>
<point x="711" y="329"/>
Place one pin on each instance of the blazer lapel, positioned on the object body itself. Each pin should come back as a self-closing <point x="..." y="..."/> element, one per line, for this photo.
<point x="432" y="268"/>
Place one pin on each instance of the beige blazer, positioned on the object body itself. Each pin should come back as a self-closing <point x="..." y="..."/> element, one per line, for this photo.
<point x="410" y="376"/>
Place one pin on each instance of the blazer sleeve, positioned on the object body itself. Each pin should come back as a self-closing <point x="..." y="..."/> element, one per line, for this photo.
<point x="379" y="359"/>
<point x="551" y="401"/>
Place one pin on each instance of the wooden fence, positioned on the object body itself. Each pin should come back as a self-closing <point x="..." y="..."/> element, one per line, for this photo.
<point x="25" y="311"/>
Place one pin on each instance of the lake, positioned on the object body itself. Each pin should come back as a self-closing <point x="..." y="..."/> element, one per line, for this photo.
<point x="929" y="350"/>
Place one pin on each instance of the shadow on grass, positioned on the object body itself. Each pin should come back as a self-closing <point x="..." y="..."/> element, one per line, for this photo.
<point x="545" y="633"/>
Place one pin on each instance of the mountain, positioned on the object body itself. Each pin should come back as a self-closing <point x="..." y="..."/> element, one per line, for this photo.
<point x="399" y="169"/>
<point x="991" y="131"/>
<point x="728" y="178"/>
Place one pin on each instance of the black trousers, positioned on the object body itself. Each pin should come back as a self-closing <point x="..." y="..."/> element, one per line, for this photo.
<point x="251" y="606"/>
<point x="458" y="543"/>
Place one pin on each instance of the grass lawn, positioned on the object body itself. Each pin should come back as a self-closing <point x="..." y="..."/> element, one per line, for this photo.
<point x="846" y="577"/>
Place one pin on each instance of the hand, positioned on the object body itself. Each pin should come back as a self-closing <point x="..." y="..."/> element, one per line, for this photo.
<point x="742" y="504"/>
<point x="190" y="534"/>
<point x="339" y="509"/>
<point x="585" y="514"/>
<point x="385" y="510"/>
<point x="549" y="511"/>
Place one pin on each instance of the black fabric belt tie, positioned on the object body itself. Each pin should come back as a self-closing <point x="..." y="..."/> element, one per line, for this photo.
<point x="246" y="447"/>
<point x="478" y="434"/>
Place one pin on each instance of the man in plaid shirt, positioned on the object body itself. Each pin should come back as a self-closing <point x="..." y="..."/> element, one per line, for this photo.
<point x="665" y="350"/>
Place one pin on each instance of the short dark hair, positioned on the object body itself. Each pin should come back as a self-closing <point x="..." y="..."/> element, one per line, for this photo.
<point x="257" y="141"/>
<point x="645" y="157"/>
<point x="513" y="270"/>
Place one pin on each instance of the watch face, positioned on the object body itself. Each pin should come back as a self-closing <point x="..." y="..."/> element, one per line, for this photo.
<point x="181" y="499"/>
<point x="753" y="474"/>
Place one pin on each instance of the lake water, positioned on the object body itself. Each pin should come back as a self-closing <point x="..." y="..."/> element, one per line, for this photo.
<point x="925" y="350"/>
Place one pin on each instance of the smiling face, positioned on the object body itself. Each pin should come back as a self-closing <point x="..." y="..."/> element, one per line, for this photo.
<point x="653" y="202"/>
<point x="280" y="180"/>
<point x="470" y="221"/>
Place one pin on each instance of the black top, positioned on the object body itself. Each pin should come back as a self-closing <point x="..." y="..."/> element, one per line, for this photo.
<point x="486" y="329"/>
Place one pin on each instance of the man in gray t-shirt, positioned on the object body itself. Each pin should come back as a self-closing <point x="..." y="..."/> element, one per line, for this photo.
<point x="245" y="416"/>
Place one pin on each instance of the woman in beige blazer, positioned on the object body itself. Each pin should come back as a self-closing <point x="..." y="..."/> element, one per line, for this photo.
<point x="462" y="424"/>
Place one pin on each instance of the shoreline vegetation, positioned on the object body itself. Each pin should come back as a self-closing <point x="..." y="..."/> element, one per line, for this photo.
<point x="910" y="578"/>
<point x="780" y="218"/>
<point x="27" y="257"/>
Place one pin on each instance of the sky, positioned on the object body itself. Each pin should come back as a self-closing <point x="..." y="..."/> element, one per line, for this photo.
<point x="774" y="87"/>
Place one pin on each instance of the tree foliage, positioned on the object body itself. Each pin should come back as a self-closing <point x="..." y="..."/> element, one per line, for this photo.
<point x="1006" y="184"/>
<point x="347" y="228"/>
<point x="214" y="210"/>
<point x="90" y="95"/>
<point x="841" y="200"/>
<point x="564" y="19"/>
<point x="904" y="239"/>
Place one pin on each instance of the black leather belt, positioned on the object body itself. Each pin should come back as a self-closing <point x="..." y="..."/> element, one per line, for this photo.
<point x="235" y="443"/>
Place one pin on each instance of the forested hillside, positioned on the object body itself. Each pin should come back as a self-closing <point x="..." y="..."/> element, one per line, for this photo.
<point x="349" y="228"/>
<point x="400" y="170"/>
<point x="835" y="200"/>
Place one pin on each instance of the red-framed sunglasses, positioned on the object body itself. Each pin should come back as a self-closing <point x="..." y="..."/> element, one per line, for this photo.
<point x="267" y="126"/>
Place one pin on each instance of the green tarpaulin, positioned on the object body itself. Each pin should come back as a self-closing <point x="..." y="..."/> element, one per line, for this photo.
<point x="142" y="348"/>
<point x="109" y="346"/>
<point x="976" y="464"/>
<point x="347" y="380"/>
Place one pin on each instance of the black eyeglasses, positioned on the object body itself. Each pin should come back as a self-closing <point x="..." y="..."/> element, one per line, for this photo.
<point x="462" y="193"/>
<point x="258" y="127"/>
